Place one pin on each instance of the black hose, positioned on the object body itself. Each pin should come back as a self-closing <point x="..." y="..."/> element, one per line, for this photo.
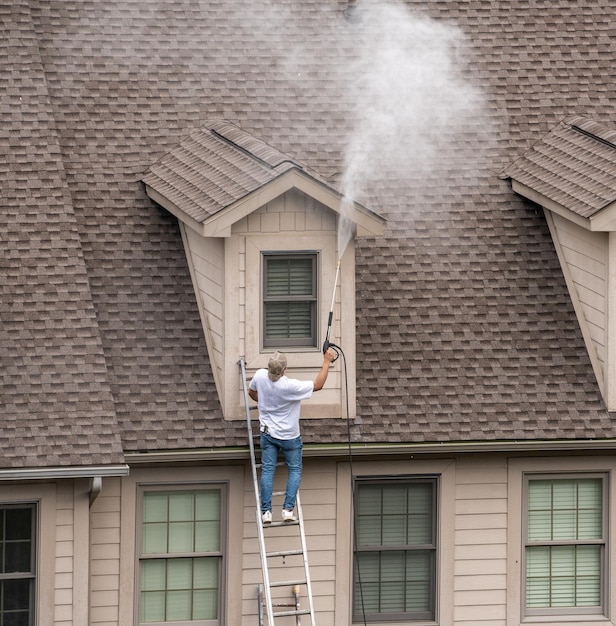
<point x="339" y="351"/>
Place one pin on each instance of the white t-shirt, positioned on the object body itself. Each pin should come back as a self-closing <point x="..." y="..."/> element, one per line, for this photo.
<point x="279" y="403"/>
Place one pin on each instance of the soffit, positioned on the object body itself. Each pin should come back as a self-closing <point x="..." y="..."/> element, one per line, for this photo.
<point x="572" y="168"/>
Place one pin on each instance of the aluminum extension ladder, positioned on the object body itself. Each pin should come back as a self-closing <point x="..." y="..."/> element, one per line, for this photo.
<point x="264" y="593"/>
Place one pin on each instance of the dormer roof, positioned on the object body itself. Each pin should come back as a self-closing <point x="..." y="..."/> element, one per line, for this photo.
<point x="571" y="172"/>
<point x="221" y="173"/>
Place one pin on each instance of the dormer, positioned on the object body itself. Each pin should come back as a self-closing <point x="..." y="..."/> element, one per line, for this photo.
<point x="571" y="173"/>
<point x="261" y="239"/>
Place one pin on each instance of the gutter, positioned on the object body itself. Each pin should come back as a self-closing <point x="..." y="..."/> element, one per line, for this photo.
<point x="378" y="449"/>
<point x="46" y="473"/>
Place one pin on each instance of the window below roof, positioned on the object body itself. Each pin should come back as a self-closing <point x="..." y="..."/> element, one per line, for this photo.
<point x="565" y="552"/>
<point x="18" y="572"/>
<point x="396" y="559"/>
<point x="181" y="555"/>
<point x="290" y="301"/>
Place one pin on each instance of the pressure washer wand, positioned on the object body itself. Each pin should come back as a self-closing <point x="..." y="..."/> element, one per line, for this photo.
<point x="326" y="343"/>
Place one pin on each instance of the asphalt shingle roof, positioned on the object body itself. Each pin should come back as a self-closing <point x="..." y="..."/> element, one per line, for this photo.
<point x="465" y="330"/>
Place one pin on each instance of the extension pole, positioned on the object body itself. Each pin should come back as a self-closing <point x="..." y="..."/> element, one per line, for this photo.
<point x="326" y="343"/>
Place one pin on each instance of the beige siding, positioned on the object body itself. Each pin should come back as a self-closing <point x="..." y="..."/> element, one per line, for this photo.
<point x="65" y="553"/>
<point x="584" y="256"/>
<point x="480" y="542"/>
<point x="105" y="555"/>
<point x="206" y="261"/>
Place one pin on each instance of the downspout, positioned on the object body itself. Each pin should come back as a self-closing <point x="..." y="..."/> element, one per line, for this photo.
<point x="96" y="486"/>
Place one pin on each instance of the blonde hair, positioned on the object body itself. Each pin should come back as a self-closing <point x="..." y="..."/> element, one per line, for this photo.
<point x="276" y="366"/>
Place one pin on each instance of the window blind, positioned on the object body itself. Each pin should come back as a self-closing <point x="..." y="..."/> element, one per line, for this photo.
<point x="396" y="550"/>
<point x="289" y="300"/>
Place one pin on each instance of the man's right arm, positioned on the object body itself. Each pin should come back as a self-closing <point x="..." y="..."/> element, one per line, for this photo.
<point x="319" y="381"/>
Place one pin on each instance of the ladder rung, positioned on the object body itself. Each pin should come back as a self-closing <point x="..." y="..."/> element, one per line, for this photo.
<point x="285" y="553"/>
<point x="279" y="464"/>
<point x="279" y="524"/>
<point x="288" y="613"/>
<point x="287" y="583"/>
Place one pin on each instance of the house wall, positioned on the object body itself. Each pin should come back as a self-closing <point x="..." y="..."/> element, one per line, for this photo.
<point x="479" y="535"/>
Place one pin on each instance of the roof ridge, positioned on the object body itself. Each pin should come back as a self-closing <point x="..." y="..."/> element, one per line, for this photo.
<point x="593" y="129"/>
<point x="250" y="145"/>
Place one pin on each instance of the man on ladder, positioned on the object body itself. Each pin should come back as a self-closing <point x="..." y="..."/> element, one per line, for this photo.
<point x="279" y="398"/>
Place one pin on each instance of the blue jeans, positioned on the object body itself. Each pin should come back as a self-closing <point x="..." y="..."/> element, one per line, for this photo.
<point x="292" y="450"/>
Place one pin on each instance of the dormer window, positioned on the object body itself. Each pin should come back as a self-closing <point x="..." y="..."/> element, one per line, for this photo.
<point x="290" y="300"/>
<point x="260" y="235"/>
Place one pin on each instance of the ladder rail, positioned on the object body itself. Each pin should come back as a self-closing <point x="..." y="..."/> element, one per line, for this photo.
<point x="266" y="589"/>
<point x="255" y="479"/>
<point x="302" y="535"/>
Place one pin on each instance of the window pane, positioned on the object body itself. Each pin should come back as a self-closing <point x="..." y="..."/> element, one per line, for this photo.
<point x="155" y="507"/>
<point x="181" y="507"/>
<point x="153" y="575"/>
<point x="16" y="594"/>
<point x="205" y="573"/>
<point x="152" y="608"/>
<point x="181" y="537"/>
<point x="179" y="574"/>
<point x="17" y="557"/>
<point x="205" y="604"/>
<point x="155" y="539"/>
<point x="18" y="524"/>
<point x="207" y="537"/>
<point x="179" y="605"/>
<point x="207" y="505"/>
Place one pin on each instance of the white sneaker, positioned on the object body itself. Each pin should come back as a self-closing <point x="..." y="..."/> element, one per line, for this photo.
<point x="288" y="516"/>
<point x="267" y="517"/>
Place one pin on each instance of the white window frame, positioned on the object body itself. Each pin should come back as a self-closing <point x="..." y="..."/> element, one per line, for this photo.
<point x="182" y="487"/>
<point x="518" y="469"/>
